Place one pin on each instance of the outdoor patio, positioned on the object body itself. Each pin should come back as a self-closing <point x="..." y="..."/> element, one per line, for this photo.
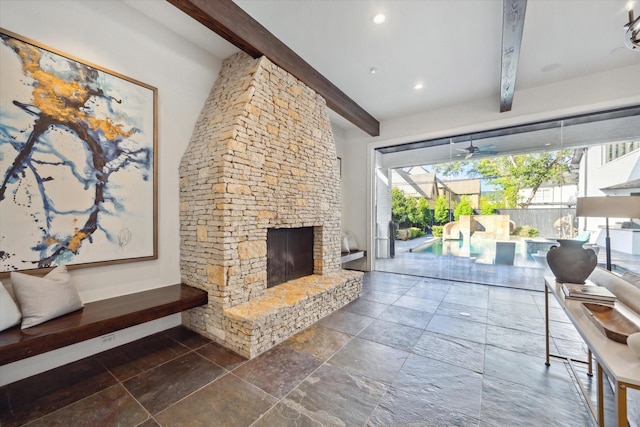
<point x="466" y="269"/>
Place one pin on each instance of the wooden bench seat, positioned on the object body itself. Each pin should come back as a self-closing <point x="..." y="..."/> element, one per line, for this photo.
<point x="96" y="319"/>
<point x="353" y="255"/>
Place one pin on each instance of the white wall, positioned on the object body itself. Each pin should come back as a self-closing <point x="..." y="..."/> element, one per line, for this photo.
<point x="118" y="37"/>
<point x="354" y="200"/>
<point x="600" y="174"/>
<point x="557" y="196"/>
<point x="602" y="91"/>
<point x="383" y="183"/>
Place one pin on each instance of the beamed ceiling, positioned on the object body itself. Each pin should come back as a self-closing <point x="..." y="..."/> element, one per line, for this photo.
<point x="231" y="22"/>
<point x="461" y="50"/>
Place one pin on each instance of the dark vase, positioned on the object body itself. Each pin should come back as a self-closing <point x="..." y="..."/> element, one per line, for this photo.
<point x="570" y="262"/>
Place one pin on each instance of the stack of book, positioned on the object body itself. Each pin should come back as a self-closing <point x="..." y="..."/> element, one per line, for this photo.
<point x="589" y="292"/>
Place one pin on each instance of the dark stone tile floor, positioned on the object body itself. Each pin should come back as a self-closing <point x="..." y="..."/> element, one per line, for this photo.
<point x="410" y="352"/>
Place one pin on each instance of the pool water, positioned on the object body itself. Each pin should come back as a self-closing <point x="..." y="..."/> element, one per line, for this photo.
<point x="484" y="251"/>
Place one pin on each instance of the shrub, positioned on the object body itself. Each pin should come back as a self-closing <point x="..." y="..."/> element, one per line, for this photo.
<point x="526" y="231"/>
<point x="409" y="233"/>
<point x="437" y="230"/>
<point x="462" y="208"/>
<point x="488" y="206"/>
<point x="441" y="210"/>
<point x="416" y="232"/>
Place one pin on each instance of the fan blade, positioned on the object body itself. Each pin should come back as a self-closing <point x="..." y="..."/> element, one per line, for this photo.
<point x="468" y="156"/>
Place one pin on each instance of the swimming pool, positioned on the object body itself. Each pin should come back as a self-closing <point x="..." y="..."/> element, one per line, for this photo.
<point x="484" y="251"/>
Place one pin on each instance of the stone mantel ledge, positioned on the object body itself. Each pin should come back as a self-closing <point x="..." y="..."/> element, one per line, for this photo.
<point x="290" y="294"/>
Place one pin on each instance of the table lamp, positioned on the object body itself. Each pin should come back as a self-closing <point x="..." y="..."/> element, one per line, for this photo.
<point x="608" y="207"/>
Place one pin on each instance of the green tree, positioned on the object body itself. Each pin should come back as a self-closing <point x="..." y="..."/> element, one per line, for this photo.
<point x="398" y="205"/>
<point x="463" y="208"/>
<point x="488" y="206"/>
<point x="441" y="210"/>
<point x="515" y="173"/>
<point x="411" y="208"/>
<point x="424" y="213"/>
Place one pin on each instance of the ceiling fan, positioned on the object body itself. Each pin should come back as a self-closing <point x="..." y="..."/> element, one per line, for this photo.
<point x="472" y="149"/>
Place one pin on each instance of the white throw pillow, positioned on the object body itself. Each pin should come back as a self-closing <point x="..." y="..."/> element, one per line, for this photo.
<point x="353" y="243"/>
<point x="9" y="312"/>
<point x="44" y="298"/>
<point x="345" y="244"/>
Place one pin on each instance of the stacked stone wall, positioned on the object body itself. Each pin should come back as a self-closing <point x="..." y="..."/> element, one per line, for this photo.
<point x="256" y="326"/>
<point x="261" y="156"/>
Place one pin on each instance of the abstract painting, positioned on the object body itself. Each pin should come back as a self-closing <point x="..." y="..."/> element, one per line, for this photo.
<point x="78" y="173"/>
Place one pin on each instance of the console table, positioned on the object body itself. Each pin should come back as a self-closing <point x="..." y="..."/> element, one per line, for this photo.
<point x="620" y="364"/>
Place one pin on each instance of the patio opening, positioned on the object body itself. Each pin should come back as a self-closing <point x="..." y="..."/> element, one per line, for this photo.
<point x="486" y="207"/>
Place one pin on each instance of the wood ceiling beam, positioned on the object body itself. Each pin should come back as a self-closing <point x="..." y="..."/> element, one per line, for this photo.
<point x="229" y="21"/>
<point x="512" y="25"/>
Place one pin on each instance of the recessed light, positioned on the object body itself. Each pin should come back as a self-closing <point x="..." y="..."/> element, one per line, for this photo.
<point x="373" y="70"/>
<point x="418" y="86"/>
<point x="379" y="18"/>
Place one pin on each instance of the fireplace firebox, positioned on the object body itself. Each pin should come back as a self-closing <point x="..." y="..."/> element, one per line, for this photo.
<point x="289" y="254"/>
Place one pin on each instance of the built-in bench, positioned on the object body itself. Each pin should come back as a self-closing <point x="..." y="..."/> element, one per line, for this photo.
<point x="352" y="255"/>
<point x="96" y="319"/>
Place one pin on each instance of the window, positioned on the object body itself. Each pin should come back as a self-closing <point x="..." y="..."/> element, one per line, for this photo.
<point x="619" y="149"/>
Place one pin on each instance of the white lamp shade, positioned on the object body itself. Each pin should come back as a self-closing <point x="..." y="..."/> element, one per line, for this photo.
<point x="609" y="207"/>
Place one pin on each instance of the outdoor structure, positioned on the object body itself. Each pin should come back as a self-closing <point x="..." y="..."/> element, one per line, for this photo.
<point x="496" y="227"/>
<point x="465" y="188"/>
<point x="551" y="196"/>
<point x="418" y="182"/>
<point x="613" y="170"/>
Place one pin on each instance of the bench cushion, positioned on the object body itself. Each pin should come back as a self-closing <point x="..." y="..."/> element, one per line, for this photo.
<point x="9" y="313"/>
<point x="45" y="298"/>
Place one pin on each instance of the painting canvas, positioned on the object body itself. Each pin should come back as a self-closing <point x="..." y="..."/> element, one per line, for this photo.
<point x="77" y="161"/>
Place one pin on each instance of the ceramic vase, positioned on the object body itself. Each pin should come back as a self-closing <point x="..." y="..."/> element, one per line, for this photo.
<point x="570" y="262"/>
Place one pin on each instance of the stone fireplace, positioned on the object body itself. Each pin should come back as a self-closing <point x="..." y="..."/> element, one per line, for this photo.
<point x="262" y="157"/>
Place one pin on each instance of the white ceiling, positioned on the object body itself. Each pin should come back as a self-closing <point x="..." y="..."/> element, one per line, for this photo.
<point x="452" y="46"/>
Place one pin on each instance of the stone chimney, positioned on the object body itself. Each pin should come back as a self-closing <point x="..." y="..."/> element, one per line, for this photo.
<point x="262" y="156"/>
